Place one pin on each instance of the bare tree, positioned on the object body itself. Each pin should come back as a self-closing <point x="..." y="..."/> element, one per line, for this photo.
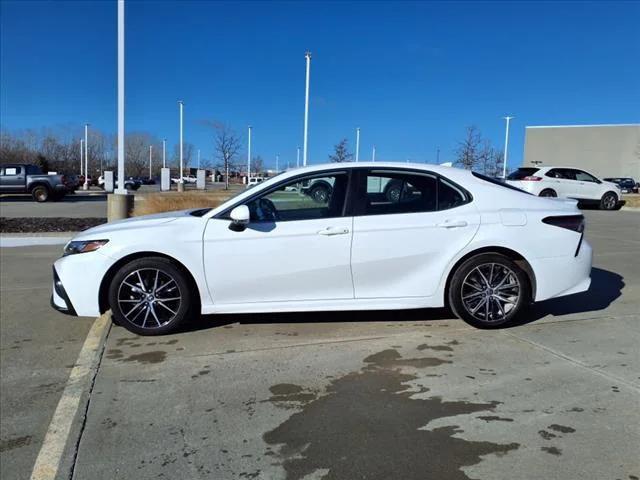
<point x="341" y="152"/>
<point x="469" y="149"/>
<point x="227" y="145"/>
<point x="257" y="164"/>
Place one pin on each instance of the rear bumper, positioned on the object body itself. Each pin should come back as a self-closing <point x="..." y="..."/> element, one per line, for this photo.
<point x="560" y="276"/>
<point x="59" y="298"/>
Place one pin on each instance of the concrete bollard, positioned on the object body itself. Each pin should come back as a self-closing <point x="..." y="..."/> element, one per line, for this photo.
<point x="119" y="206"/>
<point x="181" y="186"/>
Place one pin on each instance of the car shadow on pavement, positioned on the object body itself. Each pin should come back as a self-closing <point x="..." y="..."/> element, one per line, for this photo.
<point x="605" y="288"/>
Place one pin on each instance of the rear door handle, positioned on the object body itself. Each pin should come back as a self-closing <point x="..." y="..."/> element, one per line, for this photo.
<point x="452" y="224"/>
<point x="329" y="231"/>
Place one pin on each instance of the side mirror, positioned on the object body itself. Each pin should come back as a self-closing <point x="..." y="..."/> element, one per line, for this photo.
<point x="240" y="217"/>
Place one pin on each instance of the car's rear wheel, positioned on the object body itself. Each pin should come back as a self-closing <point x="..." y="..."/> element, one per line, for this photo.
<point x="548" y="192"/>
<point x="150" y="296"/>
<point x="40" y="193"/>
<point x="609" y="201"/>
<point x="489" y="290"/>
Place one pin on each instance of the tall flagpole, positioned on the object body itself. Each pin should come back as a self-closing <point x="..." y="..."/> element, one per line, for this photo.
<point x="506" y="148"/>
<point x="307" y="56"/>
<point x="357" y="144"/>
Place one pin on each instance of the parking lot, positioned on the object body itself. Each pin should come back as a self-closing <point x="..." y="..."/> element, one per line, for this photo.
<point x="341" y="395"/>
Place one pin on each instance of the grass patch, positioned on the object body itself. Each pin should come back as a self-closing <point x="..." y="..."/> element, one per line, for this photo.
<point x="147" y="204"/>
<point x="632" y="200"/>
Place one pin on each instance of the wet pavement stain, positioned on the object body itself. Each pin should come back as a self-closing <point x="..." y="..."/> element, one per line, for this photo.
<point x="146" y="358"/>
<point x="561" y="428"/>
<point x="17" y="442"/>
<point x="438" y="348"/>
<point x="552" y="450"/>
<point x="546" y="435"/>
<point x="367" y="425"/>
<point x="495" y="418"/>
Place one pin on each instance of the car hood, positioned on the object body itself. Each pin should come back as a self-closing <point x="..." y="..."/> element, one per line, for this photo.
<point x="612" y="185"/>
<point x="134" y="223"/>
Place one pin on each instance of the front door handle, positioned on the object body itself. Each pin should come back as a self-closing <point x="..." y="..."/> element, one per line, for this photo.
<point x="452" y="224"/>
<point x="333" y="231"/>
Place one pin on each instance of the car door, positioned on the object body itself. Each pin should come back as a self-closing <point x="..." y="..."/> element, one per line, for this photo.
<point x="588" y="186"/>
<point x="562" y="181"/>
<point x="295" y="248"/>
<point x="407" y="226"/>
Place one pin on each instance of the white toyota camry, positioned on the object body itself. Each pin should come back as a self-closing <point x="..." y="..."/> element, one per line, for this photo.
<point x="351" y="236"/>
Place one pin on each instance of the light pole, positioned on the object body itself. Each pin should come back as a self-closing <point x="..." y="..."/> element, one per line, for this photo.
<point x="120" y="183"/>
<point x="506" y="148"/>
<point x="86" y="158"/>
<point x="373" y="154"/>
<point x="198" y="159"/>
<point x="150" y="155"/>
<point x="357" y="144"/>
<point x="249" y="157"/>
<point x="438" y="156"/>
<point x="298" y="158"/>
<point x="180" y="184"/>
<point x="277" y="163"/>
<point x="81" y="156"/>
<point x="164" y="153"/>
<point x="307" y="56"/>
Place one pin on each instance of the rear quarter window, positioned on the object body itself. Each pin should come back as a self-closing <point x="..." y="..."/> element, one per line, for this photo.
<point x="498" y="182"/>
<point x="519" y="174"/>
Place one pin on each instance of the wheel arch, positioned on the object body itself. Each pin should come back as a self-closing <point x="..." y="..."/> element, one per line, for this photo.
<point x="103" y="292"/>
<point x="33" y="185"/>
<point x="507" y="252"/>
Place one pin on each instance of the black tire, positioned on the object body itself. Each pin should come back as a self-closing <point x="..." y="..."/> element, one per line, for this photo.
<point x="512" y="284"/>
<point x="152" y="312"/>
<point x="320" y="193"/>
<point x="393" y="191"/>
<point x="128" y="186"/>
<point x="40" y="193"/>
<point x="609" y="201"/>
<point x="548" y="192"/>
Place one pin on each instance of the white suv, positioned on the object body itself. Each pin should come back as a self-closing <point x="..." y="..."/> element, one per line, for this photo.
<point x="566" y="182"/>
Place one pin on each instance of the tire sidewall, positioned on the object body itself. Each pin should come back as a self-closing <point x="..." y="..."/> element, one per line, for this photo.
<point x="552" y="193"/>
<point x="39" y="188"/>
<point x="160" y="263"/>
<point x="602" y="201"/>
<point x="455" y="290"/>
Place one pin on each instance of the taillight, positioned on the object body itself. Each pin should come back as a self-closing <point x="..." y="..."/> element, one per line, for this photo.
<point x="570" y="222"/>
<point x="532" y="178"/>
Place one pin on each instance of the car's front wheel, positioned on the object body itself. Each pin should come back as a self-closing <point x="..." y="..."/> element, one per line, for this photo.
<point x="150" y="296"/>
<point x="609" y="201"/>
<point x="548" y="192"/>
<point x="489" y="290"/>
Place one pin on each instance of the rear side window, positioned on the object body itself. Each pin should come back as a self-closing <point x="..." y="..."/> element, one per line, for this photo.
<point x="12" y="170"/>
<point x="521" y="173"/>
<point x="384" y="192"/>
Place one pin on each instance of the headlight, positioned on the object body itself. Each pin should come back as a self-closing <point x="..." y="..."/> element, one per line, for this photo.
<point x="83" y="246"/>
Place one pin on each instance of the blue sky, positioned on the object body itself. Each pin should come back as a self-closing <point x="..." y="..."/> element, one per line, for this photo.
<point x="411" y="75"/>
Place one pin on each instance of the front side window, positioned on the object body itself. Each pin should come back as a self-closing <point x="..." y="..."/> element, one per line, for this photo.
<point x="305" y="198"/>
<point x="13" y="170"/>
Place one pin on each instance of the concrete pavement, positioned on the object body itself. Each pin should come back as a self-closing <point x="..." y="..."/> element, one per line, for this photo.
<point x="344" y="395"/>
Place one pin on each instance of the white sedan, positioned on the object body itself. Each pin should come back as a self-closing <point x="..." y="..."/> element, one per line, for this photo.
<point x="447" y="237"/>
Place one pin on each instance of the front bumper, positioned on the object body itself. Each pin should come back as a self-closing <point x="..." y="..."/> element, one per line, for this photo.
<point x="59" y="298"/>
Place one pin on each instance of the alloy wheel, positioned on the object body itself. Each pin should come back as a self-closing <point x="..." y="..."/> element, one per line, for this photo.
<point x="490" y="291"/>
<point x="609" y="201"/>
<point x="149" y="298"/>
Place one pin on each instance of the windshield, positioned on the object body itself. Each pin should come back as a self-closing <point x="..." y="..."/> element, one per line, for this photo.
<point x="521" y="173"/>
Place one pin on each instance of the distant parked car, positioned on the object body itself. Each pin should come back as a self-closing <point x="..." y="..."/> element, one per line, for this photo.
<point x="567" y="182"/>
<point x="626" y="184"/>
<point x="17" y="178"/>
<point x="129" y="183"/>
<point x="185" y="179"/>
